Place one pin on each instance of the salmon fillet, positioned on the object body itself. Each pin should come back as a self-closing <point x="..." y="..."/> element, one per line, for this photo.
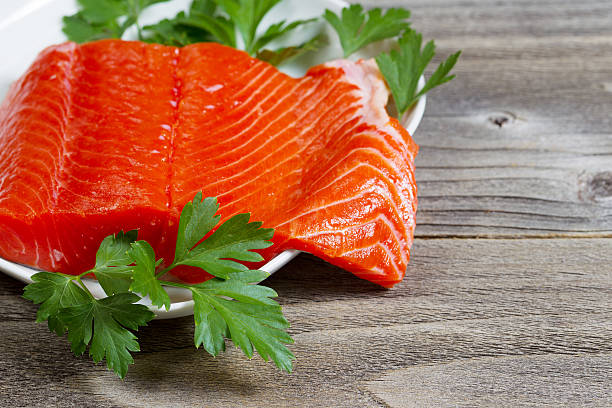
<point x="116" y="135"/>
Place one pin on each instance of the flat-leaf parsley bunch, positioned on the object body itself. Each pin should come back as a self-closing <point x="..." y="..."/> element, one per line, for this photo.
<point x="204" y="21"/>
<point x="227" y="306"/>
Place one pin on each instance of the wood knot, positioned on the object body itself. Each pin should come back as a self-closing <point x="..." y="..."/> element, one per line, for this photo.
<point x="597" y="188"/>
<point x="502" y="119"/>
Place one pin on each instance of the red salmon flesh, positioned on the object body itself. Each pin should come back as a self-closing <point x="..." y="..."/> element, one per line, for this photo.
<point x="116" y="135"/>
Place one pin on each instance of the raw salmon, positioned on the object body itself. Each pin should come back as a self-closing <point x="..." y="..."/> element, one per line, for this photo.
<point x="116" y="135"/>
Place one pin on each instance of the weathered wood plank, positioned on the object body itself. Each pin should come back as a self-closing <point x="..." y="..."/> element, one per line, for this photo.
<point x="510" y="18"/>
<point x="520" y="143"/>
<point x="495" y="382"/>
<point x="546" y="171"/>
<point x="462" y="299"/>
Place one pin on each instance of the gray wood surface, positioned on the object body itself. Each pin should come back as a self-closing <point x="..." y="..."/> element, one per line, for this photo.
<point x="508" y="297"/>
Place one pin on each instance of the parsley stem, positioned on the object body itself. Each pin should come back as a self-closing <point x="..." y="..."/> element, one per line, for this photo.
<point x="175" y="284"/>
<point x="165" y="271"/>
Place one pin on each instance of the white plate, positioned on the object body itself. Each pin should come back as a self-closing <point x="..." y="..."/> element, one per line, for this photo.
<point x="26" y="27"/>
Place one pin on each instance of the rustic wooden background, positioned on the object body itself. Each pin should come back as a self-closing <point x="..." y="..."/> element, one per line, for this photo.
<point x="508" y="298"/>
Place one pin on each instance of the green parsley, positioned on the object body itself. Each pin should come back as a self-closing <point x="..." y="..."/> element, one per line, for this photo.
<point x="227" y="306"/>
<point x="402" y="70"/>
<point x="202" y="23"/>
<point x="219" y="20"/>
<point x="247" y="15"/>
<point x="206" y="20"/>
<point x="105" y="325"/>
<point x="356" y="29"/>
<point x="99" y="19"/>
<point x="281" y="55"/>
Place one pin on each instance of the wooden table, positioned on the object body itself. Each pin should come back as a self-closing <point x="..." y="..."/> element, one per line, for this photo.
<point x="508" y="297"/>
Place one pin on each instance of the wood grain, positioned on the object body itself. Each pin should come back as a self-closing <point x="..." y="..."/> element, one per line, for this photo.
<point x="508" y="297"/>
<point x="463" y="300"/>
<point x="492" y="382"/>
<point x="542" y="70"/>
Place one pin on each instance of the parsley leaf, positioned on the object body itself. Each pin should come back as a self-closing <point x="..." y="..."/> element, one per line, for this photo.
<point x="357" y="29"/>
<point x="203" y="23"/>
<point x="112" y="262"/>
<point x="253" y="320"/>
<point x="106" y="323"/>
<point x="282" y="55"/>
<point x="402" y="69"/>
<point x="197" y="220"/>
<point x="246" y="15"/>
<point x="204" y="14"/>
<point x="78" y="29"/>
<point x="98" y="19"/>
<point x="145" y="281"/>
<point x="204" y="6"/>
<point x="170" y="32"/>
<point x="276" y="31"/>
<point x="233" y="240"/>
<point x="53" y="292"/>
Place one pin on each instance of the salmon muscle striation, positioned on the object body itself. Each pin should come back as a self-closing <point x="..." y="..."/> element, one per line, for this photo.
<point x="116" y="135"/>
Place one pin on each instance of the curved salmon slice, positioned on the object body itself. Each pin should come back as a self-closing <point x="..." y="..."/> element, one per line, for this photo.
<point x="116" y="135"/>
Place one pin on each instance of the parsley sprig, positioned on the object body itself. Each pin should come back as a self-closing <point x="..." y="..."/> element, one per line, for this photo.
<point x="401" y="69"/>
<point x="219" y="20"/>
<point x="99" y="19"/>
<point x="199" y="24"/>
<point x="206" y="20"/>
<point x="357" y="28"/>
<point x="227" y="306"/>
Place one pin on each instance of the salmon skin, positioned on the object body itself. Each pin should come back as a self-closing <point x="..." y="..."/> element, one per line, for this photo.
<point x="116" y="135"/>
